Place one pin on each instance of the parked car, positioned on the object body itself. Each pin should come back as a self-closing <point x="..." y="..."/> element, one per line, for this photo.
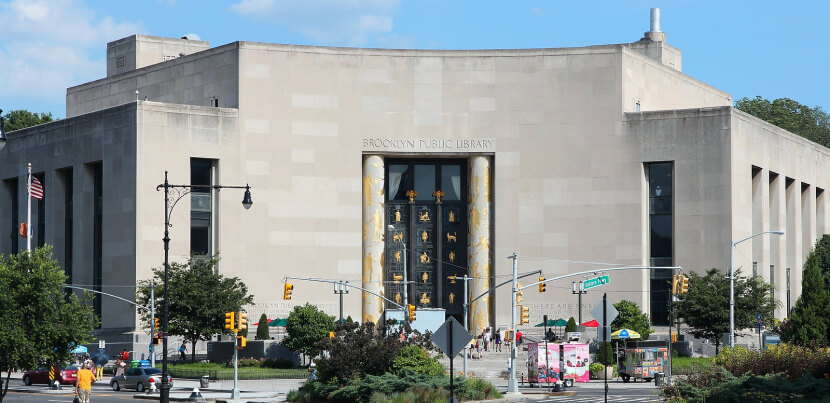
<point x="139" y="379"/>
<point x="66" y="375"/>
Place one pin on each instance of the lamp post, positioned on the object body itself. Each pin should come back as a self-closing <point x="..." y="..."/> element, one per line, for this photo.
<point x="579" y="291"/>
<point x="170" y="200"/>
<point x="732" y="283"/>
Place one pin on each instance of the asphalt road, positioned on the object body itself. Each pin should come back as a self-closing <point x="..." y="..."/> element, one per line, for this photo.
<point x="617" y="392"/>
<point x="98" y="396"/>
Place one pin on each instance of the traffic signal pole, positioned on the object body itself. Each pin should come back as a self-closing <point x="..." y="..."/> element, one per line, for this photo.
<point x="152" y="328"/>
<point x="512" y="387"/>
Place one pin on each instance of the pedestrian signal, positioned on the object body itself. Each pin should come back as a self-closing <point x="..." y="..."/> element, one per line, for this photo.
<point x="241" y="342"/>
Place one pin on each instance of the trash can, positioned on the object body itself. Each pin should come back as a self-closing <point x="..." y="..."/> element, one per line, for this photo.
<point x="144" y="364"/>
<point x="134" y="364"/>
<point x="203" y="381"/>
<point x="659" y="379"/>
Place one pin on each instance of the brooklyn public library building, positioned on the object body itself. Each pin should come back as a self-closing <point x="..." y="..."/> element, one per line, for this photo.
<point x="377" y="165"/>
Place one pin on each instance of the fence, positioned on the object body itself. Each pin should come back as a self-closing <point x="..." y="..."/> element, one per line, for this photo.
<point x="244" y="373"/>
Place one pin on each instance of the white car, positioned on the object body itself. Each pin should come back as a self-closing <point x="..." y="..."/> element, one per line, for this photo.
<point x="139" y="379"/>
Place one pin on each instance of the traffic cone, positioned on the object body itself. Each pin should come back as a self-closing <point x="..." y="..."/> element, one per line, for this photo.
<point x="195" y="396"/>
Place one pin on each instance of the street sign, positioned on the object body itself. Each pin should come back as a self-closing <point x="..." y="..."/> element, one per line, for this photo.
<point x="611" y="313"/>
<point x="460" y="337"/>
<point x="102" y="344"/>
<point x="596" y="282"/>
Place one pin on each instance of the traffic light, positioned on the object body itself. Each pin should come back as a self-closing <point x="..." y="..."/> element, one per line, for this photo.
<point x="229" y="322"/>
<point x="241" y="342"/>
<point x="675" y="284"/>
<point x="286" y="295"/>
<point x="156" y="339"/>
<point x="156" y="324"/>
<point x="243" y="320"/>
<point x="684" y="285"/>
<point x="508" y="334"/>
<point x="411" y="312"/>
<point x="331" y="335"/>
<point x="674" y="337"/>
<point x="542" y="285"/>
<point x="525" y="314"/>
<point x="519" y="294"/>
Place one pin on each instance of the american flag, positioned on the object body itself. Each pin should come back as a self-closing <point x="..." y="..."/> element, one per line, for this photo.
<point x="37" y="189"/>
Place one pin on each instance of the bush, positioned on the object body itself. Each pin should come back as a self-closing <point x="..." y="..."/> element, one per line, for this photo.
<point x="408" y="386"/>
<point x="262" y="331"/>
<point x="790" y="360"/>
<point x="718" y="385"/>
<point x="595" y="368"/>
<point x="605" y="354"/>
<point x="418" y="360"/>
<point x="571" y="326"/>
<point x="261" y="363"/>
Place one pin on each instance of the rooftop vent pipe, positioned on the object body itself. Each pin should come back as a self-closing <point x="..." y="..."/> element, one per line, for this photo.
<point x="655" y="20"/>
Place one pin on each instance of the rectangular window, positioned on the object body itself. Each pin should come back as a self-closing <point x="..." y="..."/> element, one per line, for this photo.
<point x="201" y="206"/>
<point x="66" y="176"/>
<point x="40" y="205"/>
<point x="425" y="182"/>
<point x="754" y="269"/>
<point x="661" y="236"/>
<point x="14" y="217"/>
<point x="98" y="234"/>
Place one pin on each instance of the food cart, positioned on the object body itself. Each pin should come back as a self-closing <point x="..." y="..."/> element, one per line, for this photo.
<point x="643" y="359"/>
<point x="568" y="362"/>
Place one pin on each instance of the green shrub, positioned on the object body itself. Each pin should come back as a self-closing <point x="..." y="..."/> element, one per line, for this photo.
<point x="790" y="360"/>
<point x="716" y="384"/>
<point x="417" y="359"/>
<point x="262" y="331"/>
<point x="605" y="354"/>
<point x="595" y="368"/>
<point x="571" y="326"/>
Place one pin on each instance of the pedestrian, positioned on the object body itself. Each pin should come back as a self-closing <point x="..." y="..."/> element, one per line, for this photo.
<point x="478" y="346"/>
<point x="83" y="382"/>
<point x="472" y="348"/>
<point x="518" y="338"/>
<point x="549" y="335"/>
<point x="487" y="340"/>
<point x="498" y="341"/>
<point x="122" y="366"/>
<point x="125" y="355"/>
<point x="182" y="351"/>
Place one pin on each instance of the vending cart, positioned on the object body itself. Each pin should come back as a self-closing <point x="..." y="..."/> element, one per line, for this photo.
<point x="643" y="359"/>
<point x="568" y="362"/>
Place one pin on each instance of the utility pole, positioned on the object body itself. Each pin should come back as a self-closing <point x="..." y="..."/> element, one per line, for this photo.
<point x="341" y="288"/>
<point x="512" y="387"/>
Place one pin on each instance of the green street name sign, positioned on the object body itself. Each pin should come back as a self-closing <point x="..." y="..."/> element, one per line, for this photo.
<point x="595" y="282"/>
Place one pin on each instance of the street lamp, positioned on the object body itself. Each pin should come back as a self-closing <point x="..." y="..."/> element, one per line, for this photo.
<point x="170" y="200"/>
<point x="732" y="283"/>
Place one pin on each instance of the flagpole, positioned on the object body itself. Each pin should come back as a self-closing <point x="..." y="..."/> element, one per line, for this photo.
<point x="29" y="211"/>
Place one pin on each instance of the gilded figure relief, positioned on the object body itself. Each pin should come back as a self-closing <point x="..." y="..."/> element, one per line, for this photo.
<point x="452" y="256"/>
<point x="452" y="298"/>
<point x="425" y="277"/>
<point x="451" y="278"/>
<point x="378" y="225"/>
<point x="424" y="236"/>
<point x="397" y="256"/>
<point x="424" y="216"/>
<point x="438" y="194"/>
<point x="424" y="298"/>
<point x="397" y="237"/>
<point x="424" y="258"/>
<point x="411" y="194"/>
<point x="397" y="277"/>
<point x="452" y="237"/>
<point x="397" y="216"/>
<point x="398" y="298"/>
<point x="452" y="216"/>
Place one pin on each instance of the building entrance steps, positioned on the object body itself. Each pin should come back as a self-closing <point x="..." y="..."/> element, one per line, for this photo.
<point x="491" y="366"/>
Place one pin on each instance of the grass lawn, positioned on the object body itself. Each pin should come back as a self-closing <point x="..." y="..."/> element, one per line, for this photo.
<point x="685" y="365"/>
<point x="221" y="372"/>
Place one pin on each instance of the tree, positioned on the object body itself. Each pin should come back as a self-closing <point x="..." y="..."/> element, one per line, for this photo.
<point x="199" y="298"/>
<point x="571" y="326"/>
<point x="306" y="326"/>
<point x="605" y="354"/>
<point x="822" y="251"/>
<point x="631" y="317"/>
<point x="21" y="119"/>
<point x="262" y="332"/>
<point x="810" y="123"/>
<point x="40" y="320"/>
<point x="706" y="307"/>
<point x="809" y="320"/>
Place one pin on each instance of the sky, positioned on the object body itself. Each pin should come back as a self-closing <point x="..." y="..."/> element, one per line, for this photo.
<point x="773" y="49"/>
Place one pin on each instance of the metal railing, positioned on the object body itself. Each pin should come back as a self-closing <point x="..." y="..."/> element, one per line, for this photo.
<point x="244" y="373"/>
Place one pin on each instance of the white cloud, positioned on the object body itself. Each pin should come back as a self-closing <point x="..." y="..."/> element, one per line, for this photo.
<point x="332" y="22"/>
<point x="48" y="46"/>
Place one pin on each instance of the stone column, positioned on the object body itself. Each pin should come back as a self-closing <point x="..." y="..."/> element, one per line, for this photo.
<point x="373" y="232"/>
<point x="478" y="210"/>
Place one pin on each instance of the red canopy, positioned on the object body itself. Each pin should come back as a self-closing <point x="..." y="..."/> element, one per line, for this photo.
<point x="269" y="321"/>
<point x="591" y="323"/>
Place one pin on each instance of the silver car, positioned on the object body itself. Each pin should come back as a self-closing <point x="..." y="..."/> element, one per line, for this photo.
<point x="139" y="379"/>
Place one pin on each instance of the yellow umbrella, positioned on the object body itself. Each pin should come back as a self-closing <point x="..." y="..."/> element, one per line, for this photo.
<point x="625" y="334"/>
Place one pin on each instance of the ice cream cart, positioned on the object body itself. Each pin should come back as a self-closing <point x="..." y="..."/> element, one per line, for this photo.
<point x="568" y="362"/>
<point x="643" y="359"/>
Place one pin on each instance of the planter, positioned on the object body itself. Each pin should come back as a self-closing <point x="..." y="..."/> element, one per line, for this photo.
<point x="608" y="373"/>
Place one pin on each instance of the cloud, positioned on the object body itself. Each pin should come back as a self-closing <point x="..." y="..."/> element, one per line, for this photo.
<point x="48" y="46"/>
<point x="331" y="22"/>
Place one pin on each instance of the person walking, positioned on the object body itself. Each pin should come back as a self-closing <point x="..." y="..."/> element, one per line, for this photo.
<point x="487" y="340"/>
<point x="498" y="341"/>
<point x="518" y="338"/>
<point x="83" y="382"/>
<point x="182" y="351"/>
